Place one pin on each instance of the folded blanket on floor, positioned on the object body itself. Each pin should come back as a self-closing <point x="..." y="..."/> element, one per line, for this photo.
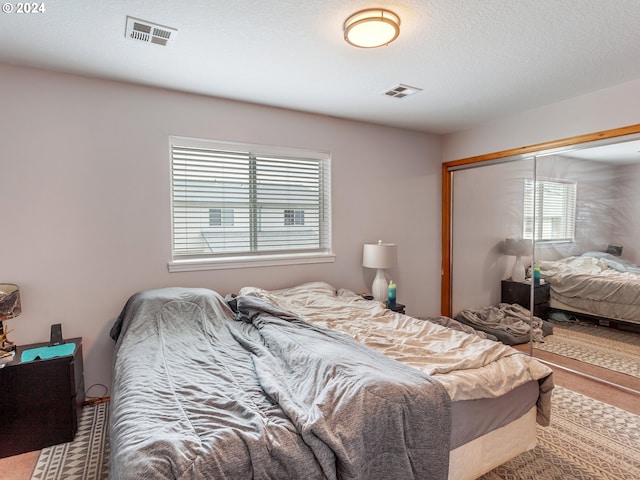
<point x="508" y="322"/>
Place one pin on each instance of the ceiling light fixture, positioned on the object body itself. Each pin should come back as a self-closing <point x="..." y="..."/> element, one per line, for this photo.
<point x="370" y="28"/>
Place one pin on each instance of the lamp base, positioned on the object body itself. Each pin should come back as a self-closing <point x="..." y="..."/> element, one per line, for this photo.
<point x="518" y="273"/>
<point x="6" y="345"/>
<point x="6" y="357"/>
<point x="380" y="288"/>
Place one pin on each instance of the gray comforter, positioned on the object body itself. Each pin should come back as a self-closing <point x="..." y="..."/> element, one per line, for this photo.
<point x="203" y="391"/>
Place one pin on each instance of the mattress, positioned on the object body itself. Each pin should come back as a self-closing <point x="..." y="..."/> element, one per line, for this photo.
<point x="472" y="419"/>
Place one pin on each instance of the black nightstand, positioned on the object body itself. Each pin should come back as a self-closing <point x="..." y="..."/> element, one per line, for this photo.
<point x="520" y="293"/>
<point x="399" y="308"/>
<point x="40" y="400"/>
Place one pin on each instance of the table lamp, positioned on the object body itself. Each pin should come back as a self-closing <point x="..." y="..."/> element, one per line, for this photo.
<point x="380" y="256"/>
<point x="518" y="247"/>
<point x="9" y="308"/>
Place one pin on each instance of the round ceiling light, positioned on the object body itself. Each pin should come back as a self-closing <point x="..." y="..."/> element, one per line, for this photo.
<point x="370" y="28"/>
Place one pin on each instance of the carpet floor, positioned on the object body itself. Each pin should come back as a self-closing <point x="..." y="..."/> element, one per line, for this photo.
<point x="87" y="457"/>
<point x="587" y="439"/>
<point x="617" y="350"/>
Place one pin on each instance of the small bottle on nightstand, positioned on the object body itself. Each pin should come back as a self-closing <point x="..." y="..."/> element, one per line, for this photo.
<point x="391" y="295"/>
<point x="536" y="276"/>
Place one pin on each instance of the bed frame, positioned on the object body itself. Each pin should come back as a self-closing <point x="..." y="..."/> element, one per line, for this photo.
<point x="491" y="450"/>
<point x="613" y="322"/>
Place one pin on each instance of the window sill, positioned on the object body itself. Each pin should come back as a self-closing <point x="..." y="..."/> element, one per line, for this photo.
<point x="249" y="262"/>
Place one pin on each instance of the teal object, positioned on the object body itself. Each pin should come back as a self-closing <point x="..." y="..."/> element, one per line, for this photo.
<point x="536" y="276"/>
<point x="391" y="295"/>
<point x="42" y="353"/>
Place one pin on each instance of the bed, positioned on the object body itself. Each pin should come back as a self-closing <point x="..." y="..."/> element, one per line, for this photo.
<point x="311" y="382"/>
<point x="596" y="284"/>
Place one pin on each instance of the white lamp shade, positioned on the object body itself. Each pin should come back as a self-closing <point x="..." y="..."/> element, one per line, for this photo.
<point x="518" y="246"/>
<point x="380" y="255"/>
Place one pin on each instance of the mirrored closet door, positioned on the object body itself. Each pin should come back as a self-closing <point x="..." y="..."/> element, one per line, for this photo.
<point x="588" y="252"/>
<point x="569" y="208"/>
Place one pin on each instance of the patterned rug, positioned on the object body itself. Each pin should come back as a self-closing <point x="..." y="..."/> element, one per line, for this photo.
<point x="587" y="440"/>
<point x="606" y="347"/>
<point x="87" y="457"/>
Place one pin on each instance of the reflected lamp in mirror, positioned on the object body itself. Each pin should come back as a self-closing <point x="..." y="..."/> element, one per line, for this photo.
<point x="9" y="308"/>
<point x="380" y="256"/>
<point x="518" y="247"/>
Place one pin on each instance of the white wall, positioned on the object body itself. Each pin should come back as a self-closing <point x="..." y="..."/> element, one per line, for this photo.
<point x="84" y="176"/>
<point x="602" y="110"/>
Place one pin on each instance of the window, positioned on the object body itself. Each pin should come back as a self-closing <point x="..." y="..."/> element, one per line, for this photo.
<point x="247" y="203"/>
<point x="294" y="217"/>
<point x="555" y="210"/>
<point x="220" y="216"/>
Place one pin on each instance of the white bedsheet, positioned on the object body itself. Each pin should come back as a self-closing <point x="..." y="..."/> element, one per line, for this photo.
<point x="469" y="367"/>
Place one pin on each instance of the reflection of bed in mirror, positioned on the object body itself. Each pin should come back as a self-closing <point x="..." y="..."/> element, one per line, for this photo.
<point x="596" y="284"/>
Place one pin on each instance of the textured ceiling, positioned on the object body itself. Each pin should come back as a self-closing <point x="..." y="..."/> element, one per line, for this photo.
<point x="474" y="59"/>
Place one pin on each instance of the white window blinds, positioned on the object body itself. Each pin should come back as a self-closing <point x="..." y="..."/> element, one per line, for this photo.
<point x="555" y="210"/>
<point x="233" y="200"/>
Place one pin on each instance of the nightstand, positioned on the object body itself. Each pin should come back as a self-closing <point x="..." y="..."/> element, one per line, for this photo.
<point x="520" y="293"/>
<point x="40" y="400"/>
<point x="399" y="308"/>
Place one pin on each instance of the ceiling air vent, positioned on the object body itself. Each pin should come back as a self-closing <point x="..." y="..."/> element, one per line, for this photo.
<point x="148" y="32"/>
<point x="401" y="90"/>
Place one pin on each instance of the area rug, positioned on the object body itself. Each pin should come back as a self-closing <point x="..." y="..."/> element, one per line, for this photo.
<point x="605" y="347"/>
<point x="587" y="440"/>
<point x="87" y="457"/>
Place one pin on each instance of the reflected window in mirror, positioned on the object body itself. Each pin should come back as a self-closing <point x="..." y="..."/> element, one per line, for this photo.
<point x="553" y="204"/>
